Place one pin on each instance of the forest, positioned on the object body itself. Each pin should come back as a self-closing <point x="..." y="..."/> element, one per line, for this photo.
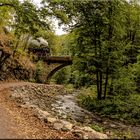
<point x="103" y="39"/>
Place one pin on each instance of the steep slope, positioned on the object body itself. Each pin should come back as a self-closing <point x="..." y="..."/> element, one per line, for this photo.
<point x="17" y="68"/>
<point x="13" y="66"/>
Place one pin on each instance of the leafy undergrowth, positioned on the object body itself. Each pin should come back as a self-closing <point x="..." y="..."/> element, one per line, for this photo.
<point x="123" y="108"/>
<point x="97" y="127"/>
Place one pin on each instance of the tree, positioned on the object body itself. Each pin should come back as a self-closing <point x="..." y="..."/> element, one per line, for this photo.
<point x="132" y="36"/>
<point x="100" y="29"/>
<point x="27" y="20"/>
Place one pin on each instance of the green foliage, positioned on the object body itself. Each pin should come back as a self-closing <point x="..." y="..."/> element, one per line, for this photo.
<point x="124" y="82"/>
<point x="69" y="88"/>
<point x="28" y="18"/>
<point x="5" y="16"/>
<point x="39" y="75"/>
<point x="92" y="43"/>
<point x="23" y="19"/>
<point x="80" y="79"/>
<point x="124" y="108"/>
<point x="105" y="40"/>
<point x="128" y="134"/>
<point x="136" y="70"/>
<point x="97" y="128"/>
<point x="21" y="52"/>
<point x="61" y="76"/>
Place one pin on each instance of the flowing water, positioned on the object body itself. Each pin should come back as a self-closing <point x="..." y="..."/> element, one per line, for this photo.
<point x="66" y="106"/>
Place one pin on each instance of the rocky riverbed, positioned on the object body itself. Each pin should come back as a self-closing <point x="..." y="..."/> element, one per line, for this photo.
<point x="54" y="105"/>
<point x="41" y="99"/>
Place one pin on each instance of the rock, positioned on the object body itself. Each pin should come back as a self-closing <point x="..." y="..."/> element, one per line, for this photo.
<point x="31" y="106"/>
<point x="86" y="128"/>
<point x="33" y="97"/>
<point x="45" y="113"/>
<point x="23" y="89"/>
<point x="67" y="125"/>
<point x="95" y="135"/>
<point x="42" y="115"/>
<point x="112" y="125"/>
<point x="26" y="106"/>
<point x="64" y="116"/>
<point x="50" y="119"/>
<point x="53" y="109"/>
<point x="92" y="134"/>
<point x="78" y="133"/>
<point x="41" y="112"/>
<point x="64" y="129"/>
<point x="85" y="136"/>
<point x="104" y="122"/>
<point x="58" y="126"/>
<point x="67" y="107"/>
<point x="109" y="133"/>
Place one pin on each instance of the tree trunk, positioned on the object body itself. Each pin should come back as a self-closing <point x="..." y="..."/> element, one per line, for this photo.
<point x="106" y="82"/>
<point x="99" y="97"/>
<point x="110" y="33"/>
<point x="101" y="84"/>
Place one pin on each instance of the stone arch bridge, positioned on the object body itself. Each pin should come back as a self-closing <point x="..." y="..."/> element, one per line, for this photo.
<point x="55" y="63"/>
<point x="52" y="63"/>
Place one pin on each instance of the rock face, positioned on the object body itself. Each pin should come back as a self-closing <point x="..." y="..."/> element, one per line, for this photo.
<point x="17" y="69"/>
<point x="12" y="68"/>
<point x="37" y="97"/>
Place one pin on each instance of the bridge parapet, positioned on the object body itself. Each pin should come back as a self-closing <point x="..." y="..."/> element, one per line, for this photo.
<point x="58" y="59"/>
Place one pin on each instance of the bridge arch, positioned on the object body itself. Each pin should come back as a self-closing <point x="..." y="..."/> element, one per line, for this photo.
<point x="49" y="76"/>
<point x="63" y="61"/>
<point x="43" y="53"/>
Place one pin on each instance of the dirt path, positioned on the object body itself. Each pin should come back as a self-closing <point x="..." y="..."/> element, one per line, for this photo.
<point x="8" y="126"/>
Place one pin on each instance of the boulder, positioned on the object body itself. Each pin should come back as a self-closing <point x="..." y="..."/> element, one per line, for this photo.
<point x="67" y="125"/>
<point x="50" y="119"/>
<point x="58" y="126"/>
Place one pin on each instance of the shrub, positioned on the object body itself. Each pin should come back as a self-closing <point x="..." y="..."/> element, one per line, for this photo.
<point x="39" y="76"/>
<point x="97" y="127"/>
<point x="124" y="108"/>
<point x="124" y="82"/>
<point x="61" y="76"/>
